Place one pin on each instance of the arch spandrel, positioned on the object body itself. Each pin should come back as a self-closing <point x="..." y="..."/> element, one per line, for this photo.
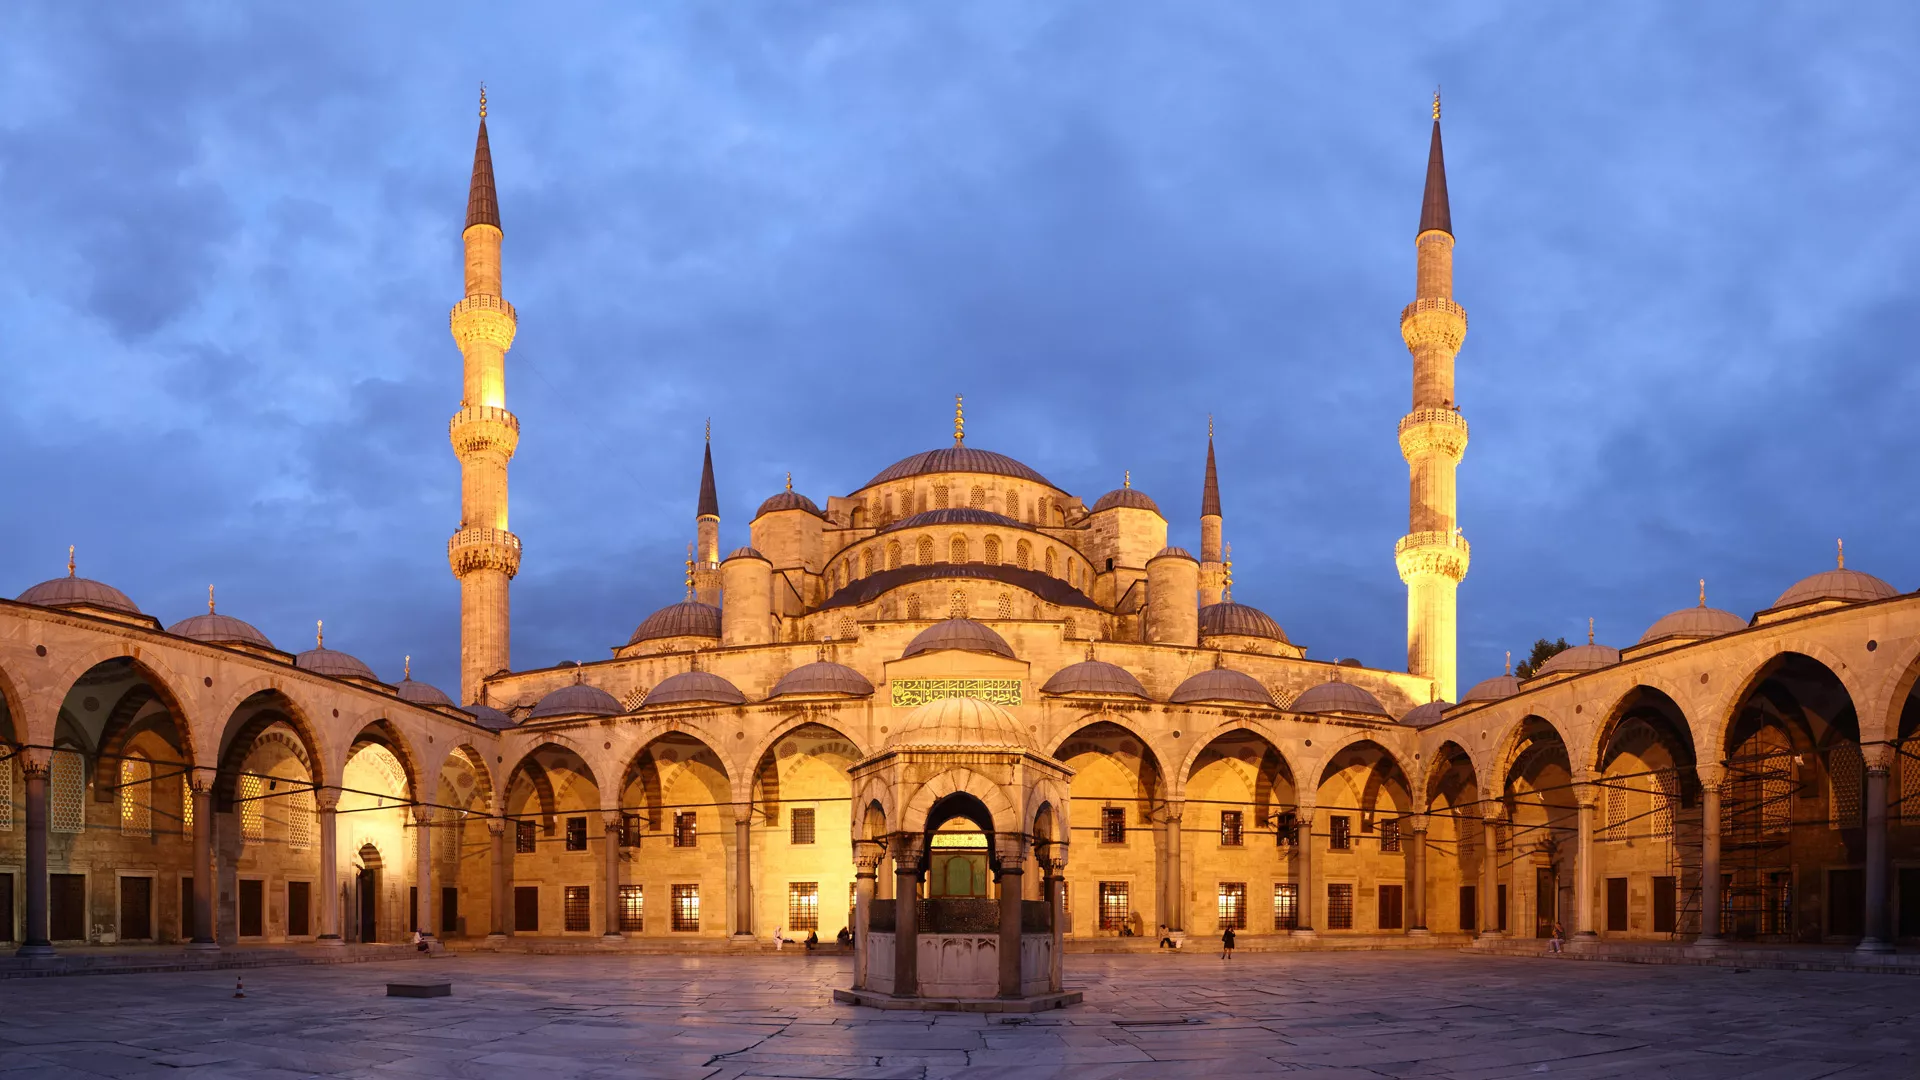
<point x="1893" y="670"/>
<point x="388" y="734"/>
<point x="303" y="714"/>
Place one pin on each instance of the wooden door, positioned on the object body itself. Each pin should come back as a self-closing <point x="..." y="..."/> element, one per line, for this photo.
<point x="1546" y="897"/>
<point x="186" y="908"/>
<point x="526" y="909"/>
<point x="253" y="905"/>
<point x="67" y="907"/>
<point x="1665" y="905"/>
<point x="1616" y="904"/>
<point x="369" y="893"/>
<point x="449" y="910"/>
<point x="299" y="908"/>
<point x="6" y="907"/>
<point x="136" y="908"/>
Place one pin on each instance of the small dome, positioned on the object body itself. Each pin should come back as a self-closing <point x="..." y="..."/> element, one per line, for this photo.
<point x="1424" y="716"/>
<point x="1094" y="677"/>
<point x="421" y="693"/>
<point x="788" y="500"/>
<point x="963" y="634"/>
<point x="1500" y="686"/>
<point x="578" y="699"/>
<point x="1588" y="657"/>
<point x="1337" y="697"/>
<point x="822" y="677"/>
<point x="957" y="515"/>
<point x="488" y="717"/>
<point x="747" y="553"/>
<point x="335" y="663"/>
<point x="1241" y="619"/>
<point x="689" y="687"/>
<point x="1693" y="622"/>
<point x="688" y="618"/>
<point x="1222" y="684"/>
<point x="70" y="591"/>
<point x="217" y="629"/>
<point x="1129" y="497"/>
<point x="1173" y="553"/>
<point x="959" y="721"/>
<point x="1847" y="586"/>
<point x="957" y="459"/>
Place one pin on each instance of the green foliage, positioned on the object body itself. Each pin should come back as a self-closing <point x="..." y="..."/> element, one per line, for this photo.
<point x="1543" y="650"/>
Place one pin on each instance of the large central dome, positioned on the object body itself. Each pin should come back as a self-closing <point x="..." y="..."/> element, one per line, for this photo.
<point x="957" y="459"/>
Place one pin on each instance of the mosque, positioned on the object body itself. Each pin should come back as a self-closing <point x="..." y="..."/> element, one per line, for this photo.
<point x="911" y="703"/>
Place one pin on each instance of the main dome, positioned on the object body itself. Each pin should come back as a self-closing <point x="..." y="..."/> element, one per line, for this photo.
<point x="1242" y="619"/>
<point x="957" y="459"/>
<point x="959" y="721"/>
<point x="963" y="634"/>
<point x="688" y="618"/>
<point x="958" y="515"/>
<point x="216" y="629"/>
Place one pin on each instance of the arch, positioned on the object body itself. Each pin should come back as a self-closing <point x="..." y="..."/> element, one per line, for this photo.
<point x="124" y="721"/>
<point x="1118" y="720"/>
<point x="1385" y="774"/>
<point x="271" y="706"/>
<point x="12" y="715"/>
<point x="1023" y="555"/>
<point x="1509" y="745"/>
<point x="873" y="822"/>
<point x="1642" y="702"/>
<point x="1443" y="762"/>
<point x="866" y="563"/>
<point x="734" y="784"/>
<point x="1248" y="724"/>
<point x="786" y="727"/>
<point x="485" y="789"/>
<point x="1050" y="564"/>
<point x="149" y="672"/>
<point x="1721" y="729"/>
<point x="960" y="781"/>
<point x="385" y="733"/>
<point x="548" y="740"/>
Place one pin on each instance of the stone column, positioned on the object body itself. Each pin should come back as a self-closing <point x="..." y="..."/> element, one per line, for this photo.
<point x="908" y="864"/>
<point x="1056" y="872"/>
<point x="742" y="874"/>
<point x="205" y="873"/>
<point x="326" y="805"/>
<point x="1490" y="874"/>
<point x="1013" y="867"/>
<point x="866" y="864"/>
<point x="1176" y="889"/>
<point x="1879" y="931"/>
<point x="612" y="930"/>
<point x="497" y="919"/>
<point x="423" y="869"/>
<point x="1710" y="778"/>
<point x="1303" y="878"/>
<point x="1586" y="796"/>
<point x="1417" y="875"/>
<point x="34" y="765"/>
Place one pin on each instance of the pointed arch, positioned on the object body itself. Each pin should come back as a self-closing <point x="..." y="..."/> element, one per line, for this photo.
<point x="787" y="726"/>
<point x="155" y="684"/>
<point x="1720" y="728"/>
<point x="1248" y="724"/>
<point x="262" y="709"/>
<point x="960" y="781"/>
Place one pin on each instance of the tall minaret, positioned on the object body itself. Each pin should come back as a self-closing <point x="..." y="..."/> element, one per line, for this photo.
<point x="483" y="554"/>
<point x="1213" y="574"/>
<point x="706" y="521"/>
<point x="1432" y="557"/>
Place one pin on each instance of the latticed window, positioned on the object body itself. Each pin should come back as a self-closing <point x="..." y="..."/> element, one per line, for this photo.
<point x="977" y="498"/>
<point x="924" y="551"/>
<point x="1616" y="811"/>
<point x="990" y="551"/>
<point x="1339" y="832"/>
<point x="523" y="837"/>
<point x="1340" y="907"/>
<point x="866" y="562"/>
<point x="1071" y="629"/>
<point x="1666" y="798"/>
<point x="957" y="550"/>
<point x="1286" y="905"/>
<point x="887" y="512"/>
<point x="1390" y="835"/>
<point x="803" y="905"/>
<point x="66" y="795"/>
<point x="136" y="796"/>
<point x="1907" y="791"/>
<point x="847" y="630"/>
<point x="913" y="607"/>
<point x="1013" y="505"/>
<point x="1049" y="563"/>
<point x="1006" y="605"/>
<point x="800" y="826"/>
<point x="300" y="821"/>
<point x="940" y="496"/>
<point x="6" y="793"/>
<point x="253" y="809"/>
<point x="186" y="805"/>
<point x="1045" y="511"/>
<point x="686" y="908"/>
<point x="957" y="605"/>
<point x="893" y="554"/>
<point x="1113" y="825"/>
<point x="1233" y="905"/>
<point x="1023" y="555"/>
<point x="1114" y="908"/>
<point x="576" y="834"/>
<point x="633" y="909"/>
<point x="1231" y="836"/>
<point x="686" y="829"/>
<point x="1844" y="773"/>
<point x="578" y="908"/>
<point x="1776" y="787"/>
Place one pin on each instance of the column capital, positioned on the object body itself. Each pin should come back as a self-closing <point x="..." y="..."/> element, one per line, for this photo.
<point x="1010" y="852"/>
<point x="422" y="815"/>
<point x="1052" y="857"/>
<point x="326" y="800"/>
<point x="1711" y="773"/>
<point x="1418" y="823"/>
<point x="742" y="812"/>
<point x="496" y="826"/>
<point x="1879" y="755"/>
<point x="907" y="856"/>
<point x="866" y="857"/>
<point x="611" y="820"/>
<point x="1303" y="812"/>
<point x="1494" y="816"/>
<point x="35" y="761"/>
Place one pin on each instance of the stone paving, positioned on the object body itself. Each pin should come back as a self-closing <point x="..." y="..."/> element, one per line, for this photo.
<point x="1328" y="1016"/>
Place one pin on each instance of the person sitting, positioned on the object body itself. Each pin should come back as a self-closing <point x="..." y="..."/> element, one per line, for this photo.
<point x="844" y="937"/>
<point x="813" y="939"/>
<point x="1166" y="938"/>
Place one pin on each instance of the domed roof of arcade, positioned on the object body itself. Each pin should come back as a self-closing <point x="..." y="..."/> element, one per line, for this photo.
<point x="1221" y="685"/>
<point x="694" y="687"/>
<point x="962" y="634"/>
<point x="1095" y="677"/>
<point x="823" y="677"/>
<point x="578" y="699"/>
<point x="1337" y="697"/>
<point x="963" y="722"/>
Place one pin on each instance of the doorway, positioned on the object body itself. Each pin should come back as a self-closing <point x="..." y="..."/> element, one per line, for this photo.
<point x="1546" y="900"/>
<point x="369" y="892"/>
<point x="136" y="908"/>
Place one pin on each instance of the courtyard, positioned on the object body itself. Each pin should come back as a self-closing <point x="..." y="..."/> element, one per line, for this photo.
<point x="1426" y="1014"/>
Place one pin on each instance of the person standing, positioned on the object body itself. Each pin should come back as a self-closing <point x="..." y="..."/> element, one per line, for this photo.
<point x="779" y="938"/>
<point x="1226" y="944"/>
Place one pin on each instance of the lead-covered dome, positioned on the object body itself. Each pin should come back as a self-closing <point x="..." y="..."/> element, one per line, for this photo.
<point x="1128" y="497"/>
<point x="334" y="663"/>
<point x="488" y="717"/>
<point x="962" y="634"/>
<point x="1494" y="689"/>
<point x="1337" y="697"/>
<point x="747" y="553"/>
<point x="422" y="693"/>
<point x="957" y="459"/>
<point x="959" y="721"/>
<point x="956" y="515"/>
<point x="1694" y="622"/>
<point x="822" y="677"/>
<point x="79" y="592"/>
<point x="788" y="500"/>
<point x="1425" y="716"/>
<point x="691" y="687"/>
<point x="1843" y="585"/>
<point x="1239" y="619"/>
<point x="578" y="699"/>
<point x="688" y="618"/>
<point x="217" y="629"/>
<point x="1095" y="677"/>
<point x="1222" y="684"/>
<point x="1588" y="657"/>
<point x="1171" y="552"/>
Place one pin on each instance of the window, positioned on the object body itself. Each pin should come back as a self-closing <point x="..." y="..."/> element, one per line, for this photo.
<point x="1844" y="768"/>
<point x="1023" y="555"/>
<point x="253" y="809"/>
<point x="866" y="563"/>
<point x="6" y="802"/>
<point x="1286" y="905"/>
<point x="136" y="796"/>
<point x="1390" y="835"/>
<point x="1286" y="829"/>
<point x="886" y="512"/>
<point x="633" y="829"/>
<point x="1045" y="510"/>
<point x="523" y="837"/>
<point x="1340" y="832"/>
<point x="940" y="496"/>
<point x="1664" y="802"/>
<point x="992" y="550"/>
<point x="913" y="607"/>
<point x="1113" y="825"/>
<point x="1340" y="907"/>
<point x="957" y="605"/>
<point x="1906" y="792"/>
<point x="300" y="821"/>
<point x="1233" y="905"/>
<point x="1230" y="835"/>
<point x="686" y="908"/>
<point x="578" y="909"/>
<point x="1113" y="905"/>
<point x="1013" y="505"/>
<point x="526" y="909"/>
<point x="1776" y="791"/>
<point x="1778" y="901"/>
<point x="1616" y="828"/>
<point x="977" y="498"/>
<point x="925" y="551"/>
<point x="957" y="550"/>
<point x="576" y="834"/>
<point x="633" y="909"/>
<point x="66" y="794"/>
<point x="299" y="909"/>
<point x="686" y="832"/>
<point x="1006" y="605"/>
<point x="803" y="905"/>
<point x="800" y="826"/>
<point x="1390" y="906"/>
<point x="1049" y="564"/>
<point x="893" y="554"/>
<point x="186" y="806"/>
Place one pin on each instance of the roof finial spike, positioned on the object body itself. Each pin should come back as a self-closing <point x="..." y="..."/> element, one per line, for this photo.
<point x="1703" y="592"/>
<point x="69" y="560"/>
<point x="209" y="599"/>
<point x="406" y="669"/>
<point x="1089" y="652"/>
<point x="689" y="571"/>
<point x="1226" y="565"/>
<point x="1589" y="629"/>
<point x="1209" y="426"/>
<point x="483" y="101"/>
<point x="1436" y="101"/>
<point x="959" y="421"/>
<point x="1509" y="661"/>
<point x="709" y="429"/>
<point x="1128" y="482"/>
<point x="319" y="633"/>
<point x="789" y="481"/>
<point x="1841" y="543"/>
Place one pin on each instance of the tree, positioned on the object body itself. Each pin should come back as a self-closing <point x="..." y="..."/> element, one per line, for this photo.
<point x="1543" y="650"/>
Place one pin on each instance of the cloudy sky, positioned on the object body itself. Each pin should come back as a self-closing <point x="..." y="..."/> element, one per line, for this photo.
<point x="1687" y="241"/>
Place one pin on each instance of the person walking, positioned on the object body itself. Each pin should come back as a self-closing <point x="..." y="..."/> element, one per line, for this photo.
<point x="1226" y="944"/>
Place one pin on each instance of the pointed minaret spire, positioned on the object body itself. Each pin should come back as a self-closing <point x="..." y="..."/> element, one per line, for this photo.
<point x="1433" y="204"/>
<point x="1213" y="577"/>
<point x="483" y="204"/>
<point x="709" y="495"/>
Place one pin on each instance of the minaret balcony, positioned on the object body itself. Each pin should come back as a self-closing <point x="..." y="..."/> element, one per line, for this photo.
<point x="1433" y="321"/>
<point x="485" y="319"/>
<point x="483" y="549"/>
<point x="1426" y="432"/>
<point x="1439" y="554"/>
<point x="480" y="429"/>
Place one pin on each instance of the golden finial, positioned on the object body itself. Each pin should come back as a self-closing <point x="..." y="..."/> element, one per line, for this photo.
<point x="1509" y="661"/>
<point x="1128" y="482"/>
<point x="1089" y="652"/>
<point x="709" y="429"/>
<point x="319" y="633"/>
<point x="1209" y="425"/>
<point x="820" y="651"/>
<point x="1226" y="563"/>
<point x="689" y="571"/>
<point x="1842" y="560"/>
<point x="1703" y="592"/>
<point x="959" y="422"/>
<point x="406" y="669"/>
<point x="1589" y="629"/>
<point x="69" y="560"/>
<point x="483" y="101"/>
<point x="1436" y="103"/>
<point x="209" y="599"/>
<point x="789" y="481"/>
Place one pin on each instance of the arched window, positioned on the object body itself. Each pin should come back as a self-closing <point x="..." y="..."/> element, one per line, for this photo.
<point x="992" y="550"/>
<point x="940" y="496"/>
<point x="253" y="808"/>
<point x="1046" y="510"/>
<point x="847" y="630"/>
<point x="1023" y="555"/>
<point x="866" y="562"/>
<point x="957" y="605"/>
<point x="978" y="498"/>
<point x="957" y="550"/>
<point x="136" y="796"/>
<point x="1006" y="606"/>
<point x="926" y="551"/>
<point x="913" y="607"/>
<point x="67" y="793"/>
<point x="893" y="554"/>
<point x="887" y="511"/>
<point x="1665" y="800"/>
<point x="859" y="517"/>
<point x="1049" y="563"/>
<point x="1013" y="504"/>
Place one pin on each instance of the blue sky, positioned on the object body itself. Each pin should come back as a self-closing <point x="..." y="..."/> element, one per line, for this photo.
<point x="1687" y="242"/>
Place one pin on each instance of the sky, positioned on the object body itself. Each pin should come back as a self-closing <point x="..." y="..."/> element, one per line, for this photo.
<point x="1687" y="242"/>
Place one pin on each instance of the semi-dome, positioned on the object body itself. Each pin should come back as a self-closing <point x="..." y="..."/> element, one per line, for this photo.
<point x="1221" y="684"/>
<point x="1588" y="657"/>
<point x="421" y="693"/>
<point x="788" y="500"/>
<point x="822" y="677"/>
<point x="957" y="515"/>
<point x="217" y="629"/>
<point x="1242" y="619"/>
<point x="688" y="618"/>
<point x="1694" y="622"/>
<point x="1129" y="497"/>
<point x="1337" y="697"/>
<point x="690" y="687"/>
<point x="957" y="459"/>
<point x="1094" y="677"/>
<point x="70" y="591"/>
<point x="1846" y="586"/>
<point x="578" y="699"/>
<point x="959" y="721"/>
<point x="1494" y="689"/>
<point x="963" y="634"/>
<point x="747" y="553"/>
<point x="1171" y="552"/>
<point x="1424" y="716"/>
<point x="333" y="662"/>
<point x="488" y="717"/>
